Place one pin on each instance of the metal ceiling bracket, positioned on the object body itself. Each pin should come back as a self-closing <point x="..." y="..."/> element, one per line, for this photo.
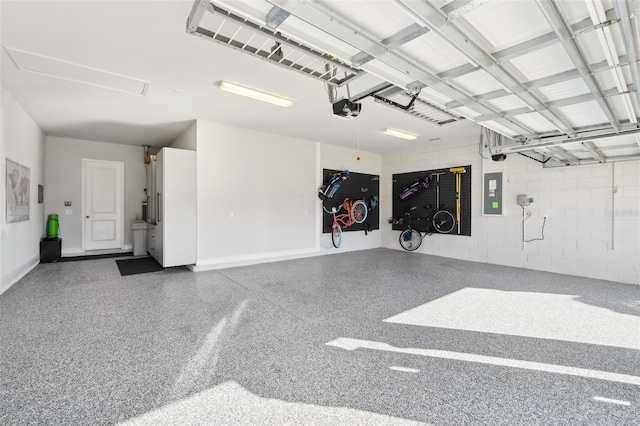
<point x="458" y="71"/>
<point x="428" y="14"/>
<point x="571" y="101"/>
<point x="500" y="93"/>
<point x="629" y="31"/>
<point x="404" y="36"/>
<point x="197" y="12"/>
<point x="552" y="13"/>
<point x="584" y="136"/>
<point x="572" y="74"/>
<point x="449" y="8"/>
<point x="589" y="146"/>
<point x="572" y="159"/>
<point x="548" y="39"/>
<point x="398" y="39"/>
<point x="615" y="159"/>
<point x="458" y="8"/>
<point x="308" y="13"/>
<point x="509" y="113"/>
<point x="525" y="47"/>
<point x="309" y="61"/>
<point x="587" y="25"/>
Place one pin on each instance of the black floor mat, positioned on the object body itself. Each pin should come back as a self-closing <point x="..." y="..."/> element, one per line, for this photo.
<point x="140" y="265"/>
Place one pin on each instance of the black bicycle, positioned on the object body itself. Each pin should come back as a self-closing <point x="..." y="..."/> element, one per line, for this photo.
<point x="440" y="220"/>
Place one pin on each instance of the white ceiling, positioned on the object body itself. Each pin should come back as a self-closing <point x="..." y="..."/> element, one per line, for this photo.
<point x="146" y="40"/>
<point x="540" y="72"/>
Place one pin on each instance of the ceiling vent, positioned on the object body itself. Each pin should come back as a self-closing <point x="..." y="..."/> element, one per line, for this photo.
<point x="68" y="71"/>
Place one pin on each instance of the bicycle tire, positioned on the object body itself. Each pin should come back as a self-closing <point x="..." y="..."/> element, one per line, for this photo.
<point x="443" y="221"/>
<point x="336" y="236"/>
<point x="410" y="239"/>
<point x="359" y="211"/>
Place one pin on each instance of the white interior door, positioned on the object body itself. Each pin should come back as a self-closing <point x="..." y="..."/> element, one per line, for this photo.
<point x="103" y="204"/>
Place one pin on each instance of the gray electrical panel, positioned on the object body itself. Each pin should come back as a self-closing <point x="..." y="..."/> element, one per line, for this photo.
<point x="492" y="186"/>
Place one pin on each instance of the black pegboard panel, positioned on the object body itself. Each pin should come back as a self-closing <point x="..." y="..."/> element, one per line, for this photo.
<point x="358" y="186"/>
<point x="426" y="197"/>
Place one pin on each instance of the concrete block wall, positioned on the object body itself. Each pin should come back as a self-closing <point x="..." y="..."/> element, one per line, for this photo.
<point x="593" y="225"/>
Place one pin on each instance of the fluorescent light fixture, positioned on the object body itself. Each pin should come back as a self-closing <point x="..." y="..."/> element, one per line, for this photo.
<point x="399" y="134"/>
<point x="254" y="94"/>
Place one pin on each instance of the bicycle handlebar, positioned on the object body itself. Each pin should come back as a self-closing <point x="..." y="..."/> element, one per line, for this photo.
<point x="333" y="210"/>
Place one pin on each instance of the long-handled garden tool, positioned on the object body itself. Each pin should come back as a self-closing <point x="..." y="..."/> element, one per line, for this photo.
<point x="457" y="171"/>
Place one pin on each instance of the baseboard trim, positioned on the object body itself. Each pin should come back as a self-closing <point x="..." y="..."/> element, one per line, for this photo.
<point x="17" y="274"/>
<point x="73" y="251"/>
<point x="252" y="259"/>
<point x="255" y="259"/>
<point x="78" y="251"/>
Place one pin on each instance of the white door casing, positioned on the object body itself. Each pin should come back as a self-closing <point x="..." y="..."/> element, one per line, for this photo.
<point x="102" y="206"/>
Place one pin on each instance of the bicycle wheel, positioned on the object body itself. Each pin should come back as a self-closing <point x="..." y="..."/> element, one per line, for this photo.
<point x="443" y="221"/>
<point x="336" y="236"/>
<point x="410" y="239"/>
<point x="359" y="211"/>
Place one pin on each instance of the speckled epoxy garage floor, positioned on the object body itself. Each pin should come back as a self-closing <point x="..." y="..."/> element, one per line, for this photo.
<point x="371" y="337"/>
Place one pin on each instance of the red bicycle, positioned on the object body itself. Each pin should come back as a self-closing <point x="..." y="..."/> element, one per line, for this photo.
<point x="356" y="212"/>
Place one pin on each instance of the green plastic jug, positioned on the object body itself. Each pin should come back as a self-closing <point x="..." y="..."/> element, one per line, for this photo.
<point x="52" y="226"/>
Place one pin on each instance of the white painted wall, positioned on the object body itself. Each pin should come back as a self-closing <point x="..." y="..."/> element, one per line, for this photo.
<point x="255" y="195"/>
<point x="586" y="234"/>
<point x="64" y="183"/>
<point x="22" y="142"/>
<point x="188" y="139"/>
<point x="269" y="182"/>
<point x="2" y="172"/>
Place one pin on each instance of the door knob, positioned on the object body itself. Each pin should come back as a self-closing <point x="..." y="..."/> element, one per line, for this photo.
<point x="87" y="217"/>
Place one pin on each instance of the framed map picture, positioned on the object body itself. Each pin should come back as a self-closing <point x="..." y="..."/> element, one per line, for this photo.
<point x="17" y="192"/>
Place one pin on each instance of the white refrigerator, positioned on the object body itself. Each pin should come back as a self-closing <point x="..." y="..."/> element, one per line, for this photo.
<point x="171" y="236"/>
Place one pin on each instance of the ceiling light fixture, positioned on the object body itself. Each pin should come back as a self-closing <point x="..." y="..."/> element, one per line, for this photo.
<point x="254" y="94"/>
<point x="399" y="134"/>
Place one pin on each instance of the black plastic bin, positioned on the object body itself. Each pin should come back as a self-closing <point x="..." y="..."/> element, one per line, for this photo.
<point x="50" y="250"/>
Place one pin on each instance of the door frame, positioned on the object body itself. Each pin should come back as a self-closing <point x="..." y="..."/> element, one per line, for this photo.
<point x="120" y="172"/>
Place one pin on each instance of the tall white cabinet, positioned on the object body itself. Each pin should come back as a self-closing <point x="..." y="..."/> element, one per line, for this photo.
<point x="172" y="239"/>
